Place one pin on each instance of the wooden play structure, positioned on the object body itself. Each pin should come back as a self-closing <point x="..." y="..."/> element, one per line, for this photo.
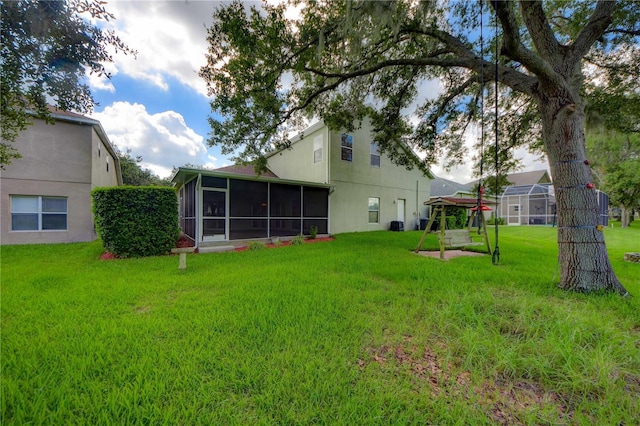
<point x="457" y="238"/>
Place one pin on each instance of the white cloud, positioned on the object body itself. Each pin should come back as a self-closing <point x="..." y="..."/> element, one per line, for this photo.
<point x="163" y="140"/>
<point x="169" y="36"/>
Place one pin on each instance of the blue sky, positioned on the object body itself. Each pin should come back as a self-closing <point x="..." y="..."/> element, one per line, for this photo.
<point x="156" y="105"/>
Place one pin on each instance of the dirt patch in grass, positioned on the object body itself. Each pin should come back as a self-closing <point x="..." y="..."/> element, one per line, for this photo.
<point x="504" y="401"/>
<point x="450" y="254"/>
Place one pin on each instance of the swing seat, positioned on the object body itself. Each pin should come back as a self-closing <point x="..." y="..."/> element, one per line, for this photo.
<point x="462" y="238"/>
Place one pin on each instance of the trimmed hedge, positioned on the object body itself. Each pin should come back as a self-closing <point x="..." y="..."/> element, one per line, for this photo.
<point x="135" y="221"/>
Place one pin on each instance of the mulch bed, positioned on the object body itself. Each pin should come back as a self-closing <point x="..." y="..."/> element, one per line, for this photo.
<point x="186" y="242"/>
<point x="288" y="243"/>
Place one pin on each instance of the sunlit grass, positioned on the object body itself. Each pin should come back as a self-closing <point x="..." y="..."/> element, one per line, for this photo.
<point x="359" y="330"/>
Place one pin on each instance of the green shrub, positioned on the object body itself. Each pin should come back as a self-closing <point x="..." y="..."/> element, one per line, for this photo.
<point x="456" y="219"/>
<point x="313" y="232"/>
<point x="136" y="221"/>
<point x="255" y="245"/>
<point x="297" y="240"/>
<point x="492" y="221"/>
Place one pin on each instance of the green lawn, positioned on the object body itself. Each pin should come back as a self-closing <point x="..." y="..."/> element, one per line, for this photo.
<point x="359" y="330"/>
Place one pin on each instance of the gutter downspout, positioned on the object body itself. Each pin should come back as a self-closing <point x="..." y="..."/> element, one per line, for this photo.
<point x="417" y="205"/>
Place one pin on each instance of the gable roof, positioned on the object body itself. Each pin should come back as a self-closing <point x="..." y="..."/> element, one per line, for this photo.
<point x="529" y="178"/>
<point x="458" y="202"/>
<point x="443" y="187"/>
<point x="245" y="170"/>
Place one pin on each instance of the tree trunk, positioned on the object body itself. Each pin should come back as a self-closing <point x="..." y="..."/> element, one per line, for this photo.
<point x="583" y="257"/>
<point x="624" y="216"/>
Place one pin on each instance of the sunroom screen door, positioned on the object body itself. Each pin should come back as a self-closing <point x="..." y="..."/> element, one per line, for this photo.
<point x="214" y="215"/>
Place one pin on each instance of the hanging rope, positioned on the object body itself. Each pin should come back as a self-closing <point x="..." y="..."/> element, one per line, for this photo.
<point x="480" y="184"/>
<point x="495" y="258"/>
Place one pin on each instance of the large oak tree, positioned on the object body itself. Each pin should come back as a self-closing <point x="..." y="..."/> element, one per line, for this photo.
<point x="347" y="60"/>
<point x="47" y="47"/>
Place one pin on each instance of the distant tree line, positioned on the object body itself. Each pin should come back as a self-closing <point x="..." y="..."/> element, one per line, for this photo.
<point x="133" y="174"/>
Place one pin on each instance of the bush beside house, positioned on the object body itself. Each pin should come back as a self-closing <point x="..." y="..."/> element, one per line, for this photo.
<point x="136" y="221"/>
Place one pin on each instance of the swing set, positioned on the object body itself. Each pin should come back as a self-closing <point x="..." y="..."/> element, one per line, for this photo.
<point x="457" y="238"/>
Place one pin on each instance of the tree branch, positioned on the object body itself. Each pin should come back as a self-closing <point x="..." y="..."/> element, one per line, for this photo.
<point x="595" y="28"/>
<point x="543" y="37"/>
<point x="513" y="47"/>
<point x="623" y="31"/>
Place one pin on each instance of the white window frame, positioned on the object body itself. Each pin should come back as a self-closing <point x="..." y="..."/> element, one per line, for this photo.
<point x="346" y="145"/>
<point x="375" y="153"/>
<point x="317" y="149"/>
<point x="39" y="211"/>
<point x="374" y="210"/>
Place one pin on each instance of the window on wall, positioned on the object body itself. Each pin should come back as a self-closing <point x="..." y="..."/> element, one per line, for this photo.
<point x="107" y="164"/>
<point x="374" y="210"/>
<point x="346" y="145"/>
<point x="317" y="149"/>
<point x="38" y="213"/>
<point x="375" y="155"/>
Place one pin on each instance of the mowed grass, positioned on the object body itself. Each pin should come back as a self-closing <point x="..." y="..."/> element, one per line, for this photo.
<point x="359" y="330"/>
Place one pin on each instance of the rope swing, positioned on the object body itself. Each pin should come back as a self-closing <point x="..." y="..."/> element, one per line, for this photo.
<point x="495" y="257"/>
<point x="480" y="183"/>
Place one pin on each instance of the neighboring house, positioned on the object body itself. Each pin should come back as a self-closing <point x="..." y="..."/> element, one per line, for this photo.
<point x="335" y="181"/>
<point x="443" y="189"/>
<point x="529" y="178"/>
<point x="45" y="195"/>
<point x="447" y="188"/>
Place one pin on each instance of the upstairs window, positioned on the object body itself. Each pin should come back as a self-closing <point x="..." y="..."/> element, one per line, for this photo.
<point x="38" y="213"/>
<point x="346" y="145"/>
<point x="375" y="155"/>
<point x="317" y="149"/>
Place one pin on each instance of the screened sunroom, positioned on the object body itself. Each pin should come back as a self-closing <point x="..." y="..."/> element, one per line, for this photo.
<point x="226" y="206"/>
<point x="528" y="205"/>
<point x="536" y="205"/>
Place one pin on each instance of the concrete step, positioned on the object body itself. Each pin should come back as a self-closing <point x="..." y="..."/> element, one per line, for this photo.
<point x="215" y="249"/>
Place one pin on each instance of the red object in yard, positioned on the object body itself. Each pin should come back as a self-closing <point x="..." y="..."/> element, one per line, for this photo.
<point x="482" y="207"/>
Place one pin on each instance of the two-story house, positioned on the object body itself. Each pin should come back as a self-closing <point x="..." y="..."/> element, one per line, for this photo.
<point x="335" y="181"/>
<point x="46" y="194"/>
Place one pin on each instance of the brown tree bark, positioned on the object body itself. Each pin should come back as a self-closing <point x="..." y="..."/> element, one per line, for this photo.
<point x="583" y="257"/>
<point x="584" y="261"/>
<point x="625" y="216"/>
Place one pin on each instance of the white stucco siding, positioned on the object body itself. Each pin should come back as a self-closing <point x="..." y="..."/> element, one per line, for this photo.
<point x="101" y="175"/>
<point x="79" y="216"/>
<point x="66" y="160"/>
<point x="354" y="182"/>
<point x="53" y="152"/>
<point x="297" y="163"/>
<point x="349" y="206"/>
<point x="357" y="180"/>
